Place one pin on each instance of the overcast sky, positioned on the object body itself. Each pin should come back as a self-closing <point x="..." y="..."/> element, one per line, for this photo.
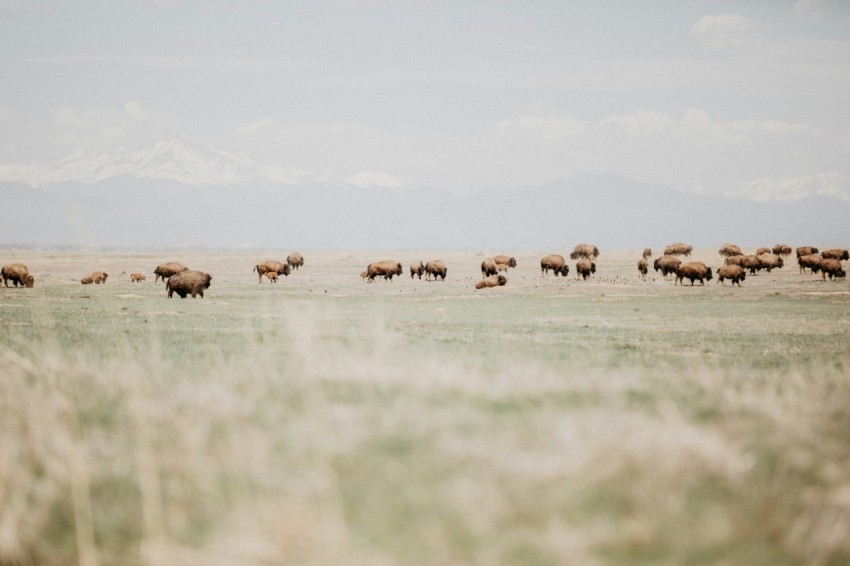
<point x="716" y="96"/>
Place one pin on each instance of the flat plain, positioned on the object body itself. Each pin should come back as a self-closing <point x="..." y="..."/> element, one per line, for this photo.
<point x="324" y="420"/>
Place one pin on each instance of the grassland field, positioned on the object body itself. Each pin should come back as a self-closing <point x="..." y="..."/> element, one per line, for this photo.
<point x="323" y="420"/>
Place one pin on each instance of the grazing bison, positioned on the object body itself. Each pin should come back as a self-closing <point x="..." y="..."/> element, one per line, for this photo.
<point x="137" y="278"/>
<point x="770" y="261"/>
<point x="17" y="273"/>
<point x="781" y="249"/>
<point x="492" y="281"/>
<point x="188" y="283"/>
<point x="504" y="262"/>
<point x="166" y="270"/>
<point x="836" y="253"/>
<point x="417" y="269"/>
<point x="587" y="251"/>
<point x="832" y="267"/>
<point x="678" y="249"/>
<point x="556" y="263"/>
<point x="806" y="250"/>
<point x="436" y="268"/>
<point x="643" y="267"/>
<point x="386" y="269"/>
<point x="647" y="253"/>
<point x="272" y="276"/>
<point x="693" y="270"/>
<point x="489" y="267"/>
<point x="751" y="262"/>
<point x="294" y="260"/>
<point x="584" y="267"/>
<point x="811" y="261"/>
<point x="667" y="264"/>
<point x="96" y="277"/>
<point x="734" y="273"/>
<point x="266" y="266"/>
<point x="728" y="250"/>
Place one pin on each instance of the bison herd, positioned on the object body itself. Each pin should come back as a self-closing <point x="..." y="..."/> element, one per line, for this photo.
<point x="736" y="265"/>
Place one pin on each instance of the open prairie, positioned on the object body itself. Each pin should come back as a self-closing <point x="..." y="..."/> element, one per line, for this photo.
<point x="324" y="420"/>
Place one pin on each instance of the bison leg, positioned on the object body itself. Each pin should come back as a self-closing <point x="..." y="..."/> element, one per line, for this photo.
<point x="170" y="293"/>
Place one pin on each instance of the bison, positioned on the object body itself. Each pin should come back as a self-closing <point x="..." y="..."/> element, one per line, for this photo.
<point x="836" y="253"/>
<point x="17" y="273"/>
<point x="782" y="250"/>
<point x="96" y="277"/>
<point x="166" y="270"/>
<point x="556" y="263"/>
<point x="417" y="269"/>
<point x="266" y="266"/>
<point x="647" y="253"/>
<point x="504" y="262"/>
<point x="751" y="262"/>
<point x="770" y="261"/>
<point x="811" y="261"/>
<point x="188" y="283"/>
<point x="489" y="267"/>
<point x="587" y="251"/>
<point x="667" y="264"/>
<point x="806" y="250"/>
<point x="294" y="260"/>
<point x="728" y="250"/>
<point x="436" y="268"/>
<point x="735" y="260"/>
<point x="678" y="249"/>
<point x="734" y="273"/>
<point x="271" y="276"/>
<point x="643" y="267"/>
<point x="386" y="269"/>
<point x="584" y="267"/>
<point x="832" y="267"/>
<point x="137" y="278"/>
<point x="762" y="251"/>
<point x="492" y="281"/>
<point x="693" y="270"/>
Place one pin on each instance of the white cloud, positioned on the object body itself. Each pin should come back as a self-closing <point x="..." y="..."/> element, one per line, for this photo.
<point x="721" y="30"/>
<point x="374" y="179"/>
<point x="764" y="189"/>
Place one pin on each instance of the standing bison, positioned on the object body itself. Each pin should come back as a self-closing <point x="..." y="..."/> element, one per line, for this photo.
<point x="587" y="251"/>
<point x="836" y="253"/>
<point x="266" y="266"/>
<point x="728" y="250"/>
<point x="806" y="250"/>
<point x="832" y="267"/>
<point x="556" y="263"/>
<point x="166" y="270"/>
<point x="137" y="278"/>
<point x="678" y="249"/>
<point x="294" y="260"/>
<point x="492" y="281"/>
<point x="385" y="269"/>
<point x="584" y="267"/>
<point x="781" y="250"/>
<point x="811" y="261"/>
<point x="489" y="267"/>
<point x="96" y="277"/>
<point x="504" y="262"/>
<point x="751" y="262"/>
<point x="666" y="264"/>
<point x="436" y="268"/>
<point x="643" y="267"/>
<point x="17" y="273"/>
<point x="188" y="283"/>
<point x="271" y="276"/>
<point x="734" y="273"/>
<point x="417" y="269"/>
<point x="770" y="261"/>
<point x="693" y="270"/>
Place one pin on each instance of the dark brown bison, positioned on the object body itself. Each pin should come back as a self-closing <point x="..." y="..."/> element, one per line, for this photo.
<point x="806" y="250"/>
<point x="643" y="267"/>
<point x="436" y="268"/>
<point x="735" y="259"/>
<point x="96" y="277"/>
<point x="137" y="278"/>
<point x="693" y="270"/>
<point x="271" y="276"/>
<point x="770" y="261"/>
<point x="417" y="269"/>
<point x="728" y="250"/>
<point x="678" y="249"/>
<point x="832" y="267"/>
<point x="188" y="283"/>
<point x="492" y="281"/>
<point x="489" y="267"/>
<point x="584" y="267"/>
<point x="504" y="262"/>
<point x="762" y="251"/>
<point x="166" y="270"/>
<point x="835" y="253"/>
<point x="751" y="262"/>
<point x="17" y="273"/>
<point x="556" y="263"/>
<point x="294" y="260"/>
<point x="277" y="266"/>
<point x="587" y="251"/>
<point x="734" y="273"/>
<point x="811" y="261"/>
<point x="385" y="269"/>
<point x="647" y="253"/>
<point x="781" y="249"/>
<point x="666" y="264"/>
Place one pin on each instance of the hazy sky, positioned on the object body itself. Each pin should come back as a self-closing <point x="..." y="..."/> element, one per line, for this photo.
<point x="716" y="96"/>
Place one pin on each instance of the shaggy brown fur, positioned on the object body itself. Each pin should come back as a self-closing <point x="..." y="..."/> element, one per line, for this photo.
<point x="278" y="267"/>
<point x="734" y="273"/>
<point x="693" y="270"/>
<point x="492" y="281"/>
<point x="556" y="263"/>
<point x="166" y="270"/>
<point x="17" y="273"/>
<point x="188" y="283"/>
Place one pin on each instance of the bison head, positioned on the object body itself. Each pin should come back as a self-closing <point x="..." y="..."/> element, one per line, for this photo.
<point x="512" y="263"/>
<point x="709" y="275"/>
<point x="286" y="269"/>
<point x="502" y="280"/>
<point x="565" y="270"/>
<point x="593" y="267"/>
<point x="28" y="281"/>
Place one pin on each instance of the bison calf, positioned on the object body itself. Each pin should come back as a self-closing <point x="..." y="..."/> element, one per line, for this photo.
<point x="96" y="277"/>
<point x="137" y="277"/>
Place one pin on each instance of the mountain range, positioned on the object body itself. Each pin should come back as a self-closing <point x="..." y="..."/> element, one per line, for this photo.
<point x="176" y="194"/>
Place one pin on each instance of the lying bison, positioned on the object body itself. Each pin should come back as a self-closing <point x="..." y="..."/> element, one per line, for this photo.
<point x="188" y="283"/>
<point x="556" y="263"/>
<point x="806" y="250"/>
<point x="17" y="273"/>
<point x="734" y="273"/>
<point x="782" y="250"/>
<point x="436" y="268"/>
<point x="492" y="281"/>
<point x="678" y="249"/>
<point x="137" y="278"/>
<point x="832" y="267"/>
<point x="417" y="269"/>
<point x="666" y="264"/>
<point x="166" y="270"/>
<point x="266" y="266"/>
<point x="836" y="253"/>
<point x="693" y="270"/>
<point x="385" y="269"/>
<point x="294" y="260"/>
<point x="504" y="262"/>
<point x="770" y="261"/>
<point x="96" y="277"/>
<point x="728" y="250"/>
<point x="587" y="251"/>
<point x="811" y="262"/>
<point x="584" y="267"/>
<point x="489" y="267"/>
<point x="643" y="267"/>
